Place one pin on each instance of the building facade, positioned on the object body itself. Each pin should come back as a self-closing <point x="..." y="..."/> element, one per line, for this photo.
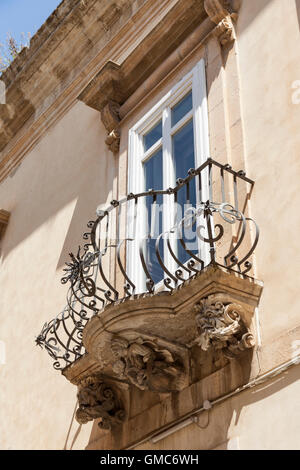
<point x="162" y="137"/>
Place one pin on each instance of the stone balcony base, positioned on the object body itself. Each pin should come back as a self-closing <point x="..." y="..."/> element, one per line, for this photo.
<point x="154" y="345"/>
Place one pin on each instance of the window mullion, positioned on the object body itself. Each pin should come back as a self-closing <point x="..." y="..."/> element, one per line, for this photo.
<point x="201" y="142"/>
<point x="169" y="181"/>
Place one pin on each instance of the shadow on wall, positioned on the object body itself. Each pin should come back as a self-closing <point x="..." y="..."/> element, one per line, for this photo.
<point x="212" y="375"/>
<point x="298" y="10"/>
<point x="250" y="10"/>
<point x="212" y="430"/>
<point x="228" y="414"/>
<point x="71" y="163"/>
<point x="215" y="428"/>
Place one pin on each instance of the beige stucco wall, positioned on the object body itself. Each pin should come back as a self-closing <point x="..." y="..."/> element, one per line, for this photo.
<point x="51" y="197"/>
<point x="263" y="418"/>
<point x="269" y="61"/>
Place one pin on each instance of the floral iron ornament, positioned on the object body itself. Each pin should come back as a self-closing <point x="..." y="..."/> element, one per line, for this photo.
<point x="221" y="327"/>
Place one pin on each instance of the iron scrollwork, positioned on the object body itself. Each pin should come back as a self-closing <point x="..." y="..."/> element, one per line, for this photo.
<point x="215" y="224"/>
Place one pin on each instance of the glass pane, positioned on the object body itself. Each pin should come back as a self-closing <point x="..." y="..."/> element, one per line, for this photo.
<point x="153" y="136"/>
<point x="184" y="159"/>
<point x="154" y="180"/>
<point x="181" y="108"/>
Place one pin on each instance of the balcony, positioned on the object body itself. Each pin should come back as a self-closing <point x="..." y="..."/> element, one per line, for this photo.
<point x="163" y="279"/>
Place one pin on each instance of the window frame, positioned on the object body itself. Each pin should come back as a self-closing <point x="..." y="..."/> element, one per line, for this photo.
<point x="194" y="81"/>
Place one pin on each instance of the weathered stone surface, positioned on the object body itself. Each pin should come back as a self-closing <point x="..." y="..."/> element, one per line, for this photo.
<point x="220" y="326"/>
<point x="146" y="365"/>
<point x="111" y="120"/>
<point x="97" y="399"/>
<point x="150" y="342"/>
<point x="4" y="218"/>
<point x="55" y="62"/>
<point x="222" y="12"/>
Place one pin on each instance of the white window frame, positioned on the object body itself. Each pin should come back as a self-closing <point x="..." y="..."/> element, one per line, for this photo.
<point x="195" y="80"/>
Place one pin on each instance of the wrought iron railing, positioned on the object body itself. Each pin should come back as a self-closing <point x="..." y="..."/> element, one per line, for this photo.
<point x="133" y="248"/>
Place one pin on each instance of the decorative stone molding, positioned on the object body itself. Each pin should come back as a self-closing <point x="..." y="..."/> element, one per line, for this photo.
<point x="223" y="13"/>
<point x="106" y="86"/>
<point x="221" y="326"/>
<point x="97" y="399"/>
<point x="7" y="113"/>
<point x="151" y="344"/>
<point x="216" y="10"/>
<point x="146" y="365"/>
<point x="225" y="31"/>
<point x="63" y="61"/>
<point x="4" y="218"/>
<point x="111" y="120"/>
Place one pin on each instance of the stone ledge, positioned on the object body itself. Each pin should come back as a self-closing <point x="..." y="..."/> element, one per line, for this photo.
<point x="166" y="342"/>
<point x="22" y="60"/>
<point x="4" y="218"/>
<point x="44" y="69"/>
<point x="190" y="399"/>
<point x="62" y="63"/>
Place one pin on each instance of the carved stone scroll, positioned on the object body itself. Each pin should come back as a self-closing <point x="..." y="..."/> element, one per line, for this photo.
<point x="7" y="114"/>
<point x="4" y="218"/>
<point x="110" y="118"/>
<point x="220" y="326"/>
<point x="97" y="399"/>
<point x="146" y="365"/>
<point x="223" y="13"/>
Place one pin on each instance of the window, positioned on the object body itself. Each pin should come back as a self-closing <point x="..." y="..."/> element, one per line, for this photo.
<point x="168" y="141"/>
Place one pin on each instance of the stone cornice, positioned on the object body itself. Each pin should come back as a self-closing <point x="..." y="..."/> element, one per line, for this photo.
<point x="53" y="22"/>
<point x="75" y="54"/>
<point x="4" y="218"/>
<point x="116" y="82"/>
<point x="223" y="13"/>
<point x="60" y="56"/>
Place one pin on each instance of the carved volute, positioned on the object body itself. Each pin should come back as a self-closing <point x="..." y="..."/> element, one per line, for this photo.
<point x="221" y="326"/>
<point x="223" y="13"/>
<point x="97" y="399"/>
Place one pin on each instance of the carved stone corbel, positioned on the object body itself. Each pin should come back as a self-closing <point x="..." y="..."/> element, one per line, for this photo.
<point x="7" y="114"/>
<point x="4" y="218"/>
<point x="110" y="118"/>
<point x="225" y="31"/>
<point x="223" y="13"/>
<point x="146" y="365"/>
<point x="220" y="326"/>
<point x="97" y="399"/>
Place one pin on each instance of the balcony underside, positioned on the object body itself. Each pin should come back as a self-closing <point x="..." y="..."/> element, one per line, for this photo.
<point x="118" y="336"/>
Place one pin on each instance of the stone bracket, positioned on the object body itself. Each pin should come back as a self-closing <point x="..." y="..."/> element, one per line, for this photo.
<point x="4" y="218"/>
<point x="98" y="399"/>
<point x="221" y="326"/>
<point x="223" y="13"/>
<point x="7" y="114"/>
<point x="163" y="343"/>
<point x="110" y="118"/>
<point x="116" y="82"/>
<point x="147" y="365"/>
